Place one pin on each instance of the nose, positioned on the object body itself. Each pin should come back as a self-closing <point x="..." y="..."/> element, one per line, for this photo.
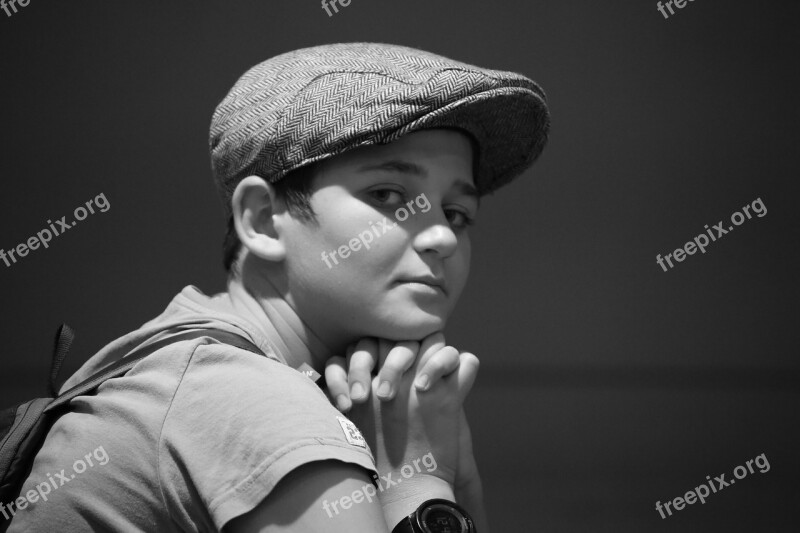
<point x="438" y="237"/>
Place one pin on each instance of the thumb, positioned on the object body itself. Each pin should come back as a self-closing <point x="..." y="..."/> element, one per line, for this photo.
<point x="467" y="374"/>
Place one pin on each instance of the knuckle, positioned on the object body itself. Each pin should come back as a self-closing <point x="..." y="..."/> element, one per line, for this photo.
<point x="335" y="361"/>
<point x="361" y="360"/>
<point x="451" y="352"/>
<point x="446" y="357"/>
<point x="471" y="359"/>
<point x="400" y="358"/>
<point x="412" y="346"/>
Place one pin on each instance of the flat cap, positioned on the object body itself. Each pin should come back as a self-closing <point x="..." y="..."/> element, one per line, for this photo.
<point x="311" y="104"/>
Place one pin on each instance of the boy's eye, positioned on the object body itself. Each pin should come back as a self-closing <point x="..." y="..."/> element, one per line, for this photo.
<point x="458" y="219"/>
<point x="387" y="196"/>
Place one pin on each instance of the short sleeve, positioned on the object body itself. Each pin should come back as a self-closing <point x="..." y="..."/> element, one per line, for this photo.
<point x="237" y="424"/>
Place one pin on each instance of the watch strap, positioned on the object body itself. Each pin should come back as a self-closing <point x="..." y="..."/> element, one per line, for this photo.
<point x="406" y="525"/>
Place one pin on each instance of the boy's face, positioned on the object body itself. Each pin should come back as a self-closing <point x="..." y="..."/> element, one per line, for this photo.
<point x="356" y="274"/>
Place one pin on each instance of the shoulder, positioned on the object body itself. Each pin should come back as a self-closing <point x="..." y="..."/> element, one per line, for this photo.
<point x="216" y="370"/>
<point x="239" y="423"/>
<point x="259" y="398"/>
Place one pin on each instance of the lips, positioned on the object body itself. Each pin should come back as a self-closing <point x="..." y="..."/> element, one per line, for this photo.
<point x="431" y="281"/>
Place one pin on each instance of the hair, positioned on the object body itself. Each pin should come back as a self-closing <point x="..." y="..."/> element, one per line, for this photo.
<point x="295" y="188"/>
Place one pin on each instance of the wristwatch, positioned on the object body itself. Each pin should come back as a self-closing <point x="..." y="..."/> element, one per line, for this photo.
<point x="437" y="516"/>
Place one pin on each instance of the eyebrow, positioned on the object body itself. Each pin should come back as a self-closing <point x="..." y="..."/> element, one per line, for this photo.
<point x="407" y="167"/>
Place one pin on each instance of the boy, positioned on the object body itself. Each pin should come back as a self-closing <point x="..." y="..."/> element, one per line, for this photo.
<point x="311" y="150"/>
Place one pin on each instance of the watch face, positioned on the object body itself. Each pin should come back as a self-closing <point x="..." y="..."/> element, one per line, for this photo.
<point x="441" y="518"/>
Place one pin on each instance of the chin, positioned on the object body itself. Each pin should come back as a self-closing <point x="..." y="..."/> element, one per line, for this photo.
<point x="413" y="326"/>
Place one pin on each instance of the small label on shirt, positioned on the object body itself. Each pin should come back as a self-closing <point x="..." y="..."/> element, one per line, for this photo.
<point x="309" y="372"/>
<point x="351" y="432"/>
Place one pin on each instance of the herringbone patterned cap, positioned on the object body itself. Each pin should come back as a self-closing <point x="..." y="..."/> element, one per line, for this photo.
<point x="311" y="104"/>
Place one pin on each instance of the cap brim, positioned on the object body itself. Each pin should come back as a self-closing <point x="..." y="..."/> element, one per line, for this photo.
<point x="509" y="124"/>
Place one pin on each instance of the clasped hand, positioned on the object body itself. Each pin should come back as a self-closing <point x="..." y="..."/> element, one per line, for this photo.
<point x="412" y="407"/>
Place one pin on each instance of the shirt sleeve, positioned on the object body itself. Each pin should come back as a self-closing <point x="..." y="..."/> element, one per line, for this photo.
<point x="237" y="424"/>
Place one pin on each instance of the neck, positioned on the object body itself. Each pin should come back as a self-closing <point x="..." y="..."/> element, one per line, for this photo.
<point x="265" y="306"/>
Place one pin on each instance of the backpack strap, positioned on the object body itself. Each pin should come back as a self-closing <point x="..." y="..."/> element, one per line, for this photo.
<point x="121" y="367"/>
<point x="64" y="337"/>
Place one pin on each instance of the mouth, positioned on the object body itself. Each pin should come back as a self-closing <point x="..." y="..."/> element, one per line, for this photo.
<point x="429" y="282"/>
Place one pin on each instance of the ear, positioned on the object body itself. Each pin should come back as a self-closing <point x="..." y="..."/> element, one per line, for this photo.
<point x="253" y="205"/>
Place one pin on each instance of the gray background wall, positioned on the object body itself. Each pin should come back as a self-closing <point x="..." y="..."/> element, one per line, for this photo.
<point x="607" y="384"/>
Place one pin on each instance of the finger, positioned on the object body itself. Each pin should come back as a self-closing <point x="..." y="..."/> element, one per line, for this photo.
<point x="384" y="347"/>
<point x="467" y="373"/>
<point x="442" y="363"/>
<point x="429" y="346"/>
<point x="361" y="363"/>
<point x="399" y="359"/>
<point x="336" y="380"/>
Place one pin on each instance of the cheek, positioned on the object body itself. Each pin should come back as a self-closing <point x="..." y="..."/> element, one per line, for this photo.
<point x="346" y="253"/>
<point x="355" y="228"/>
<point x="378" y="253"/>
<point x="458" y="268"/>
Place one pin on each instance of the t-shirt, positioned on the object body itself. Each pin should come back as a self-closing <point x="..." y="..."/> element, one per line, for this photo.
<point x="191" y="437"/>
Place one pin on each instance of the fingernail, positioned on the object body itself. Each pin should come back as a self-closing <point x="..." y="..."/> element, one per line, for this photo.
<point x="357" y="391"/>
<point x="423" y="382"/>
<point x="343" y="402"/>
<point x="385" y="389"/>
